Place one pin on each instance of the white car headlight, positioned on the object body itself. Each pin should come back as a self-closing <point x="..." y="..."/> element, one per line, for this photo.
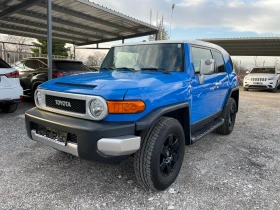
<point x="98" y="108"/>
<point x="271" y="78"/>
<point x="38" y="98"/>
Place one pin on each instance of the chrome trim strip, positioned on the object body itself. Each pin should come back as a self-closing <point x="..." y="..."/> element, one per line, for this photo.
<point x="69" y="148"/>
<point x="87" y="98"/>
<point x="118" y="146"/>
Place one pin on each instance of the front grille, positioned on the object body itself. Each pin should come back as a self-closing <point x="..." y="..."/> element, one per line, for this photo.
<point x="259" y="79"/>
<point x="66" y="104"/>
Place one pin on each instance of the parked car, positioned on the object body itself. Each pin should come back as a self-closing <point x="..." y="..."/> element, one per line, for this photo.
<point x="34" y="71"/>
<point x="262" y="78"/>
<point x="149" y="100"/>
<point x="10" y="89"/>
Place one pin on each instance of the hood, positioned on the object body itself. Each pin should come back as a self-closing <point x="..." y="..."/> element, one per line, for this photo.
<point x="116" y="80"/>
<point x="113" y="84"/>
<point x="260" y="75"/>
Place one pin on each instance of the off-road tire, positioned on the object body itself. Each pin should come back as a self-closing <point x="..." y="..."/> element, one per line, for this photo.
<point x="9" y="108"/>
<point x="147" y="158"/>
<point x="227" y="127"/>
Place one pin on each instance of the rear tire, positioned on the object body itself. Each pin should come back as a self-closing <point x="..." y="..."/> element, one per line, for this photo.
<point x="9" y="108"/>
<point x="229" y="115"/>
<point x="245" y="89"/>
<point x="158" y="161"/>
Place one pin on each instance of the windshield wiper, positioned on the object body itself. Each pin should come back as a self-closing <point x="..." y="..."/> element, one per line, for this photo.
<point x="107" y="68"/>
<point x="156" y="69"/>
<point x="125" y="68"/>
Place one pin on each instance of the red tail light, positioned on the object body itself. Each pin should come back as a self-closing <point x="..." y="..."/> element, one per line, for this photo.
<point x="58" y="74"/>
<point x="14" y="74"/>
<point x="238" y="78"/>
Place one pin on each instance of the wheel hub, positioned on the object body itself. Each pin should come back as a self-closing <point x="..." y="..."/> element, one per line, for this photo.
<point x="169" y="155"/>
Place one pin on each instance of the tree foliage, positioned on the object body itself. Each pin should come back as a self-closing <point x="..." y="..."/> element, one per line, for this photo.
<point x="95" y="59"/>
<point x="163" y="34"/>
<point x="58" y="48"/>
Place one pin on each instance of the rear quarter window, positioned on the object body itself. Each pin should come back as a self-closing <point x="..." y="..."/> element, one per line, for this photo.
<point x="4" y="65"/>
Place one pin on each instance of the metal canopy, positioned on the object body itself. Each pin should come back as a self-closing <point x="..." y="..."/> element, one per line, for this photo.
<point x="259" y="46"/>
<point x="78" y="22"/>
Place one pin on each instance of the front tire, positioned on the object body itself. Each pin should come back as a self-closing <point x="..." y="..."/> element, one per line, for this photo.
<point x="9" y="108"/>
<point x="229" y="115"/>
<point x="159" y="160"/>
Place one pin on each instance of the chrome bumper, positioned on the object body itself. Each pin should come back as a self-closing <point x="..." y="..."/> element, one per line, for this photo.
<point x="117" y="146"/>
<point x="69" y="148"/>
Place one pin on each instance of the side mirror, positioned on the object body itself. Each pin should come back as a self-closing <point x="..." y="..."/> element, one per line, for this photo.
<point x="247" y="72"/>
<point x="207" y="67"/>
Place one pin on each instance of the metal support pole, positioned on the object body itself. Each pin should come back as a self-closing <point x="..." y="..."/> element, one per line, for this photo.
<point x="122" y="41"/>
<point x="156" y="36"/>
<point x="49" y="41"/>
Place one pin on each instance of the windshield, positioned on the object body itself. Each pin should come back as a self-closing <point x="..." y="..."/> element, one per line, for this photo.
<point x="263" y="71"/>
<point x="168" y="57"/>
<point x="70" y="66"/>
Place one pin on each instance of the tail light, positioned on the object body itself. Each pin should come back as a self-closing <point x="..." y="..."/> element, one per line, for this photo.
<point x="14" y="74"/>
<point x="56" y="74"/>
<point x="238" y="78"/>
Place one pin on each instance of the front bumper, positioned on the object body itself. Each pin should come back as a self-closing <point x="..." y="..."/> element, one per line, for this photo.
<point x="259" y="85"/>
<point x="98" y="141"/>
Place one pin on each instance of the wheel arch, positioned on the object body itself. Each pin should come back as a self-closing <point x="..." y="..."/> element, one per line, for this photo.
<point x="180" y="111"/>
<point x="233" y="93"/>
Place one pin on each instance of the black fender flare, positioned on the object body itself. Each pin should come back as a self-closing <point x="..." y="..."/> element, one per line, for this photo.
<point x="236" y="97"/>
<point x="151" y="118"/>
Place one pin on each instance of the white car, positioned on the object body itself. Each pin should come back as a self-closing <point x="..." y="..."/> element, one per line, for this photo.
<point x="10" y="89"/>
<point x="262" y="78"/>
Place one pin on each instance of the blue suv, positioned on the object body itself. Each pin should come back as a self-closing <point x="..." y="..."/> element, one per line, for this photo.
<point x="148" y="101"/>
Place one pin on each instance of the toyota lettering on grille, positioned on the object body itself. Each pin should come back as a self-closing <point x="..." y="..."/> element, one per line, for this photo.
<point x="62" y="103"/>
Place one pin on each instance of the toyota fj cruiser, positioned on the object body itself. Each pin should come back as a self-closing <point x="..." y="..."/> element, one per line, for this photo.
<point x="148" y="101"/>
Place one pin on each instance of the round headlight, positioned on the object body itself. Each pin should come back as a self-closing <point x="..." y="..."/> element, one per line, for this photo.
<point x="38" y="98"/>
<point x="98" y="108"/>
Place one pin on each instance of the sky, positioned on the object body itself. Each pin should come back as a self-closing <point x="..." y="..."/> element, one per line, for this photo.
<point x="196" y="19"/>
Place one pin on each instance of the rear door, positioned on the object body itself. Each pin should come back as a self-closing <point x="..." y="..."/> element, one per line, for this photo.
<point x="206" y="97"/>
<point x="222" y="79"/>
<point x="30" y="69"/>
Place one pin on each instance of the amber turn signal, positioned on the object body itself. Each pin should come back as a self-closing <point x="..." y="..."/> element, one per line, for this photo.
<point x="125" y="107"/>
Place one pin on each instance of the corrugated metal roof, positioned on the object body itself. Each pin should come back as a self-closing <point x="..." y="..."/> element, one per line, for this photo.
<point x="249" y="46"/>
<point x="74" y="21"/>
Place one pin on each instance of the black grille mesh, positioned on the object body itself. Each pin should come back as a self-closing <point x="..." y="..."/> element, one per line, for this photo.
<point x="77" y="106"/>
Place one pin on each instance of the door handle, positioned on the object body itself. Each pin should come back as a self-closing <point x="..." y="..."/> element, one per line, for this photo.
<point x="218" y="83"/>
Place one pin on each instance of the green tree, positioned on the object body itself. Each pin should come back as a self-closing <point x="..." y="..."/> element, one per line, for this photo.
<point x="58" y="48"/>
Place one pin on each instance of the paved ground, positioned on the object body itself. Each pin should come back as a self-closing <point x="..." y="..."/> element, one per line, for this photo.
<point x="240" y="171"/>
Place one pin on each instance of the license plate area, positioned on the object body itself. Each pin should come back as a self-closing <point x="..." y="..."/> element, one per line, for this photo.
<point x="58" y="136"/>
<point x="257" y="83"/>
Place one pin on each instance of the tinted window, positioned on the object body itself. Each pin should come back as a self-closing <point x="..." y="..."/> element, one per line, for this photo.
<point x="32" y="64"/>
<point x="4" y="65"/>
<point x="70" y="66"/>
<point x="219" y="62"/>
<point x="145" y="57"/>
<point x="198" y="55"/>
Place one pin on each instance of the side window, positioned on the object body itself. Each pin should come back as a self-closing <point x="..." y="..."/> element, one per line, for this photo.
<point x="32" y="64"/>
<point x="199" y="54"/>
<point x="219" y="62"/>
